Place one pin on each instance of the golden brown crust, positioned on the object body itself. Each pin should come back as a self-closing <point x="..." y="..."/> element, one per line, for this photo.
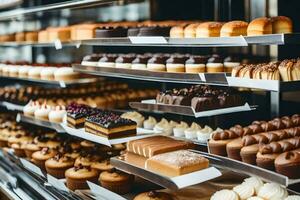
<point x="259" y="26"/>
<point x="234" y="28"/>
<point x="209" y="29"/>
<point x="282" y="24"/>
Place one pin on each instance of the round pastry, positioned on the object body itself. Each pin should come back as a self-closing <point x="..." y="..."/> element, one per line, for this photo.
<point x="140" y="62"/>
<point x="288" y="164"/>
<point x="4" y="139"/>
<point x="57" y="165"/>
<point x="102" y="166"/>
<point x="18" y="149"/>
<point x="224" y="194"/>
<point x="153" y="195"/>
<point x="156" y="63"/>
<point x="190" y="30"/>
<point x="116" y="181"/>
<point x="175" y="64"/>
<point x="254" y="182"/>
<point x="107" y="60"/>
<point x="77" y="177"/>
<point x="87" y="160"/>
<point x="191" y="133"/>
<point x="5" y="70"/>
<point x="272" y="191"/>
<point x="35" y="72"/>
<point x="30" y="148"/>
<point x="124" y="61"/>
<point x="18" y="139"/>
<point x="293" y="197"/>
<point x="179" y="129"/>
<point x="39" y="157"/>
<point x="47" y="73"/>
<point x="65" y="74"/>
<point x="234" y="28"/>
<point x="282" y="24"/>
<point x="149" y="123"/>
<point x="230" y="62"/>
<point x="42" y="112"/>
<point x="255" y="198"/>
<point x="163" y="127"/>
<point x="177" y="32"/>
<point x="57" y="115"/>
<point x="91" y="60"/>
<point x="13" y="71"/>
<point x="209" y="29"/>
<point x="215" y="64"/>
<point x="204" y="134"/>
<point x="87" y="145"/>
<point x="30" y="108"/>
<point x="244" y="191"/>
<point x="195" y="64"/>
<point x="134" y="116"/>
<point x="259" y="26"/>
<point x="23" y="71"/>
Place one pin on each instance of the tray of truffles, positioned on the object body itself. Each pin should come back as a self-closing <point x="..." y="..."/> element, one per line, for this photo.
<point x="166" y="162"/>
<point x="197" y="101"/>
<point x="101" y="126"/>
<point x="269" y="146"/>
<point x="60" y="75"/>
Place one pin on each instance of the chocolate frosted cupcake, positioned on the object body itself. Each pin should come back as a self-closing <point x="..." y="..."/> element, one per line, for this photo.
<point x="176" y="63"/>
<point x="215" y="64"/>
<point x="230" y="62"/>
<point x="140" y="62"/>
<point x="124" y="61"/>
<point x="57" y="165"/>
<point x="91" y="60"/>
<point x="77" y="177"/>
<point x="157" y="63"/>
<point x="107" y="60"/>
<point x="107" y="32"/>
<point x="195" y="64"/>
<point x="116" y="181"/>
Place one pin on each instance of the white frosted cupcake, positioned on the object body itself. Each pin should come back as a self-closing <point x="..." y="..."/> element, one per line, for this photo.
<point x="134" y="116"/>
<point x="42" y="112"/>
<point x="224" y="195"/>
<point x="150" y="123"/>
<point x="179" y="129"/>
<point x="13" y="71"/>
<point x="23" y="71"/>
<point x="30" y="108"/>
<point x="163" y="127"/>
<point x="191" y="133"/>
<point x="272" y="191"/>
<point x="35" y="72"/>
<point x="48" y="73"/>
<point x="57" y="115"/>
<point x="244" y="191"/>
<point x="204" y="134"/>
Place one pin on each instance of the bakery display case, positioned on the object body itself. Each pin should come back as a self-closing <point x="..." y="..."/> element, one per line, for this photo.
<point x="140" y="99"/>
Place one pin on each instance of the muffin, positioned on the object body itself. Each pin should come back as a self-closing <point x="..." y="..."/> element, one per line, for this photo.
<point x="18" y="150"/>
<point x="57" y="165"/>
<point x="30" y="148"/>
<point x="153" y="195"/>
<point x="116" y="181"/>
<point x="77" y="177"/>
<point x="87" y="160"/>
<point x="39" y="157"/>
<point x="102" y="166"/>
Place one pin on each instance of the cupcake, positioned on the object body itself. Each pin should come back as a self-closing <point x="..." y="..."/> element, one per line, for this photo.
<point x="175" y="64"/>
<point x="23" y="71"/>
<point x="48" y="73"/>
<point x="42" y="112"/>
<point x="124" y="61"/>
<point x="231" y="62"/>
<point x="30" y="148"/>
<point x="18" y="150"/>
<point x="77" y="177"/>
<point x="35" y="72"/>
<point x="149" y="123"/>
<point x="140" y="62"/>
<point x="57" y="115"/>
<point x="107" y="60"/>
<point x="157" y="63"/>
<point x="179" y="129"/>
<point x="116" y="181"/>
<point x="30" y="108"/>
<point x="163" y="127"/>
<point x="39" y="157"/>
<point x="87" y="160"/>
<point x="195" y="64"/>
<point x="57" y="165"/>
<point x="153" y="195"/>
<point x="134" y="116"/>
<point x="102" y="166"/>
<point x="4" y="139"/>
<point x="91" y="60"/>
<point x="215" y="64"/>
<point x="204" y="134"/>
<point x="191" y="132"/>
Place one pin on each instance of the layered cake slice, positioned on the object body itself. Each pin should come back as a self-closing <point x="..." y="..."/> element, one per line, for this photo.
<point x="76" y="114"/>
<point x="110" y="125"/>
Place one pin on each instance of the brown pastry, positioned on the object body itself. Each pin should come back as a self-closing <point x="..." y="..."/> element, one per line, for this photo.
<point x="285" y="69"/>
<point x="248" y="154"/>
<point x="57" y="165"/>
<point x="190" y="30"/>
<point x="282" y="24"/>
<point x="288" y="164"/>
<point x="233" y="149"/>
<point x="259" y="26"/>
<point x="209" y="29"/>
<point x="177" y="32"/>
<point x="39" y="157"/>
<point x="217" y="145"/>
<point x="234" y="28"/>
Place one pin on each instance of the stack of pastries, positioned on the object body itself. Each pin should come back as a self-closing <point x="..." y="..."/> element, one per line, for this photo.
<point x="273" y="144"/>
<point x="259" y="26"/>
<point x="200" y="98"/>
<point x="287" y="70"/>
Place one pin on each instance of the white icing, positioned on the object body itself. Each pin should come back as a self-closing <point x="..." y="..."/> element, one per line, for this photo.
<point x="191" y="133"/>
<point x="164" y="127"/>
<point x="293" y="197"/>
<point x="48" y="71"/>
<point x="150" y="123"/>
<point x="138" y="66"/>
<point x="244" y="191"/>
<point x="89" y="63"/>
<point x="255" y="182"/>
<point x="31" y="107"/>
<point x="123" y="65"/>
<point x="272" y="191"/>
<point x="64" y="71"/>
<point x="204" y="134"/>
<point x="23" y="71"/>
<point x="134" y="116"/>
<point x="179" y="129"/>
<point x="224" y="195"/>
<point x="255" y="198"/>
<point x="57" y="115"/>
<point x="106" y="64"/>
<point x="42" y="112"/>
<point x="35" y="71"/>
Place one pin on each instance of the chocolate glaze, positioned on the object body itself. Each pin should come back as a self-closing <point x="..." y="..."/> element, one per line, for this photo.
<point x="176" y="60"/>
<point x="108" y="58"/>
<point x="104" y="32"/>
<point x="232" y="59"/>
<point x="141" y="59"/>
<point x="196" y="60"/>
<point x="157" y="60"/>
<point x="215" y="59"/>
<point x="125" y="59"/>
<point x="92" y="58"/>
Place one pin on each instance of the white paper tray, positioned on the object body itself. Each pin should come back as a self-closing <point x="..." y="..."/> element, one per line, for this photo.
<point x="151" y="105"/>
<point x="102" y="140"/>
<point x="173" y="183"/>
<point x="11" y="106"/>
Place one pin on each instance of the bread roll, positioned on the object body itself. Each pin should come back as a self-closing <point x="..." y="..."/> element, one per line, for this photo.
<point x="282" y="24"/>
<point x="234" y="28"/>
<point x="177" y="32"/>
<point x="190" y="31"/>
<point x="259" y="26"/>
<point x="209" y="29"/>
